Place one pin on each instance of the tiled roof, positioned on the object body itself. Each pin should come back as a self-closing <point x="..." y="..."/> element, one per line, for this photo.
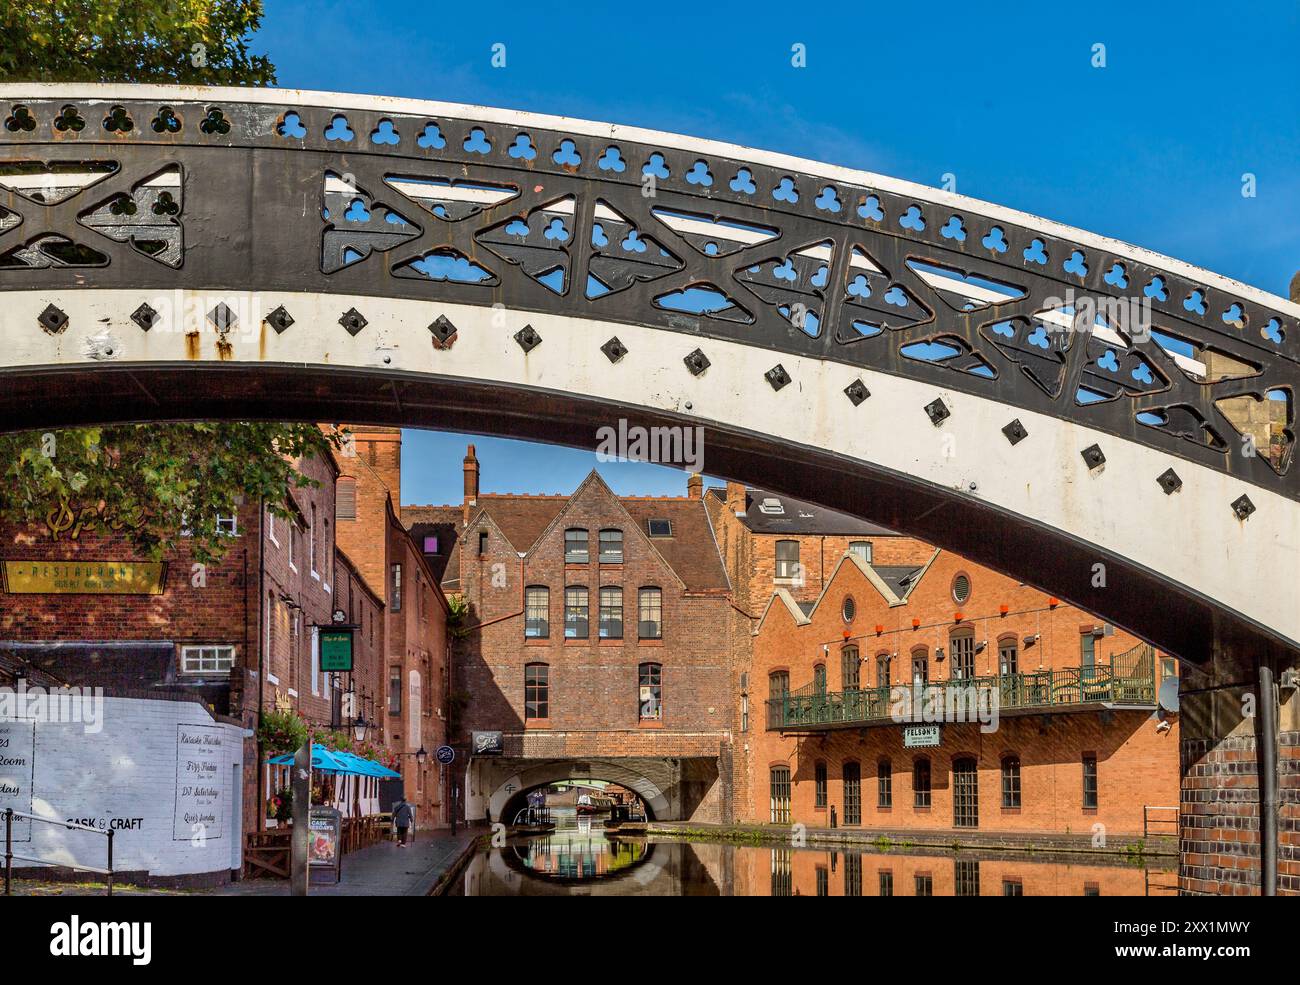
<point x="691" y="550"/>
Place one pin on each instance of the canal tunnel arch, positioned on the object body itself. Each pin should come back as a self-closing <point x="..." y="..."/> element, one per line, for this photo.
<point x="510" y="794"/>
<point x="446" y="281"/>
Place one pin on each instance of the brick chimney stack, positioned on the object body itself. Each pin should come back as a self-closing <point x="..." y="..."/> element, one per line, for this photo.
<point x="471" y="484"/>
<point x="736" y="496"/>
<point x="695" y="486"/>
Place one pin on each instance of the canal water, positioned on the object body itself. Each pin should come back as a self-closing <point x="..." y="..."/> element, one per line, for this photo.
<point x="579" y="859"/>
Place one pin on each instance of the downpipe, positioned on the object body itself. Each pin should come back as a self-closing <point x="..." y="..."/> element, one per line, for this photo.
<point x="1266" y="739"/>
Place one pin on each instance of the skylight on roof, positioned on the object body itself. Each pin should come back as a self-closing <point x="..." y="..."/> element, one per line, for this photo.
<point x="771" y="506"/>
<point x="660" y="528"/>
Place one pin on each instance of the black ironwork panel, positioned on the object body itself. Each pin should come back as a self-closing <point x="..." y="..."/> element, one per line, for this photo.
<point x="263" y="196"/>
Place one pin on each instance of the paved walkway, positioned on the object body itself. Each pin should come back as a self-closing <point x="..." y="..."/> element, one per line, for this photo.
<point x="380" y="870"/>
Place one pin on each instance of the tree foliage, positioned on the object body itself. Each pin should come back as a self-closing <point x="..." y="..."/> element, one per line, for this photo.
<point x="200" y="42"/>
<point x="159" y="485"/>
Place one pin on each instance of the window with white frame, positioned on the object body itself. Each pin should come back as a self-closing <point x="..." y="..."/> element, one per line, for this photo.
<point x="270" y="526"/>
<point x="207" y="659"/>
<point x="228" y="526"/>
<point x="295" y="534"/>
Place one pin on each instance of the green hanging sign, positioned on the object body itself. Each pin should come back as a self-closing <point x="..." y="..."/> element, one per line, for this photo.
<point x="336" y="650"/>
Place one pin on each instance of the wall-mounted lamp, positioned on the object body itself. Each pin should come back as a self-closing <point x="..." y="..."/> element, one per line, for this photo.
<point x="981" y="645"/>
<point x="938" y="654"/>
<point x="1031" y="640"/>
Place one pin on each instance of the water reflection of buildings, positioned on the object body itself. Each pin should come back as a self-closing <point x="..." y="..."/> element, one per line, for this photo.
<point x="824" y="872"/>
<point x="579" y="849"/>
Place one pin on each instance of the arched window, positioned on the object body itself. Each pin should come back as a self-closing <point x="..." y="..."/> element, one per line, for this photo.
<point x="537" y="692"/>
<point x="819" y="784"/>
<point x="577" y="612"/>
<point x="650" y="613"/>
<point x="920" y="665"/>
<point x="884" y="784"/>
<point x="778" y="684"/>
<point x="576" y="550"/>
<point x="1010" y="782"/>
<point x="611" y="613"/>
<point x="882" y="669"/>
<point x="1008" y="656"/>
<point x="537" y="612"/>
<point x="819" y="679"/>
<point x="611" y="546"/>
<point x="850" y="668"/>
<point x="965" y="793"/>
<point x="650" y="692"/>
<point x="852" y="792"/>
<point x="962" y="646"/>
<point x="921" y="782"/>
<point x="779" y="794"/>
<point x="862" y="548"/>
<point x="778" y="688"/>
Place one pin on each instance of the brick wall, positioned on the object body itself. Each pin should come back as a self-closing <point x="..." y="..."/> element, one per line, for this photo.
<point x="416" y="644"/>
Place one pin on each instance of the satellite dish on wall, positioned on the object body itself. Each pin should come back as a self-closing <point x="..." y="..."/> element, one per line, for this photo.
<point x="1168" y="695"/>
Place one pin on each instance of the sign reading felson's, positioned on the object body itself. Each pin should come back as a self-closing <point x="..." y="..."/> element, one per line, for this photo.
<point x="85" y="577"/>
<point x="920" y="736"/>
<point x="336" y="650"/>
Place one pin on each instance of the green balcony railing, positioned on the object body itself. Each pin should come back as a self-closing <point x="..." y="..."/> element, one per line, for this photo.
<point x="1128" y="680"/>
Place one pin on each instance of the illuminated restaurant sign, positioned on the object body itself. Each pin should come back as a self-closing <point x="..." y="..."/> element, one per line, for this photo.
<point x="85" y="577"/>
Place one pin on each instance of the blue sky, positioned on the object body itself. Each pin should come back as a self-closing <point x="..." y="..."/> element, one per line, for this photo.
<point x="1150" y="149"/>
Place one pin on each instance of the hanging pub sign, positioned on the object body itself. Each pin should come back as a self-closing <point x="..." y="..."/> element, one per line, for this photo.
<point x="336" y="649"/>
<point x="85" y="577"/>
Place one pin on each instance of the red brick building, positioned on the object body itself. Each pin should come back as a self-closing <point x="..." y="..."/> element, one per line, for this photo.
<point x="598" y="642"/>
<point x="411" y="707"/>
<point x="1044" y="719"/>
<point x="813" y="723"/>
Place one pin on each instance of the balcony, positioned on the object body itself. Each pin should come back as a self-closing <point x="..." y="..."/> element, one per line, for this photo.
<point x="1127" y="683"/>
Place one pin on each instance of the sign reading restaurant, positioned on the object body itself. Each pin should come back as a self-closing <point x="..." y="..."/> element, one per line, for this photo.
<point x="85" y="577"/>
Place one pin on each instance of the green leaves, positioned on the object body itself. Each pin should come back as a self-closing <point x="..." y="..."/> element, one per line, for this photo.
<point x="202" y="42"/>
<point x="149" y="482"/>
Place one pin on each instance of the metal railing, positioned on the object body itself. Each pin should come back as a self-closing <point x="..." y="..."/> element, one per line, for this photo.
<point x="1062" y="688"/>
<point x="1162" y="821"/>
<point x="10" y="855"/>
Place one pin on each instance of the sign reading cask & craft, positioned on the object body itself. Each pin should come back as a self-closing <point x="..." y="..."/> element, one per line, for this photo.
<point x="17" y="766"/>
<point x="85" y="577"/>
<point x="200" y="783"/>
